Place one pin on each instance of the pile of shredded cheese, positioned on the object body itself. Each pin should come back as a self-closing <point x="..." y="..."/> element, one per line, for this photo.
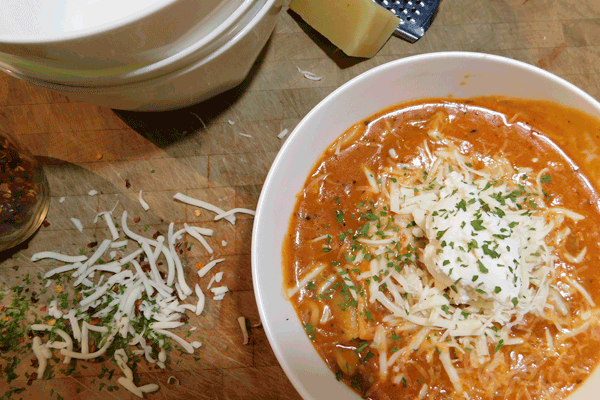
<point x="488" y="261"/>
<point x="140" y="304"/>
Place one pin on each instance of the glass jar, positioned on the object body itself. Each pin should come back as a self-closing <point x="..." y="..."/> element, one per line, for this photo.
<point x="24" y="193"/>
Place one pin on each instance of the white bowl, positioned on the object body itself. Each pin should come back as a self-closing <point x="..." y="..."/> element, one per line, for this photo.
<point x="205" y="77"/>
<point x="429" y="75"/>
<point x="74" y="37"/>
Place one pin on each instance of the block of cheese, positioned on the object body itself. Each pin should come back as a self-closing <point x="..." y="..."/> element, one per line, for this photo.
<point x="358" y="27"/>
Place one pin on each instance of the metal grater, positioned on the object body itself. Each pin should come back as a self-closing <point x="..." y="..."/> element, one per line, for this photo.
<point x="415" y="16"/>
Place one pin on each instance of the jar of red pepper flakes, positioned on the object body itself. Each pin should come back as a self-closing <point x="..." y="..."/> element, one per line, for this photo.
<point x="24" y="193"/>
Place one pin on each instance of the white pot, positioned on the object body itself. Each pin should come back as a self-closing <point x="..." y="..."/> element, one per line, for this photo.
<point x="169" y="87"/>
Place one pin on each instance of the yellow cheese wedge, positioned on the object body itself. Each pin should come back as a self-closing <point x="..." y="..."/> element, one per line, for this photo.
<point x="358" y="27"/>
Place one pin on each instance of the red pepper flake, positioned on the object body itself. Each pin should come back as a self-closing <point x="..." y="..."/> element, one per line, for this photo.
<point x="156" y="235"/>
<point x="43" y="308"/>
<point x="179" y="248"/>
<point x="34" y="362"/>
<point x="21" y="339"/>
<point x="137" y="306"/>
<point x="32" y="378"/>
<point x="2" y="308"/>
<point x="146" y="267"/>
<point x="91" y="245"/>
<point x="184" y="318"/>
<point x="94" y="321"/>
<point x="137" y="219"/>
<point x="45" y="223"/>
<point x="127" y="183"/>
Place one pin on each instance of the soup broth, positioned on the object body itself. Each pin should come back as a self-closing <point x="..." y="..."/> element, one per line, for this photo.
<point x="448" y="248"/>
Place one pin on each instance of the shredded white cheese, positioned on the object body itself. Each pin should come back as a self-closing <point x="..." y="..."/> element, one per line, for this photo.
<point x="111" y="288"/>
<point x="144" y="205"/>
<point x="282" y="134"/>
<point x="309" y="75"/>
<point x="204" y="270"/>
<point x="77" y="224"/>
<point x="202" y="204"/>
<point x="234" y="211"/>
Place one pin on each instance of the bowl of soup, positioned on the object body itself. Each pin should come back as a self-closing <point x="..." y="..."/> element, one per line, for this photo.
<point x="429" y="231"/>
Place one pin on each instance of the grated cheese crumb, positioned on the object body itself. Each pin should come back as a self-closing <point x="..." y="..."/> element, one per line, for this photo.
<point x="144" y="205"/>
<point x="77" y="224"/>
<point x="282" y="134"/>
<point x="309" y="75"/>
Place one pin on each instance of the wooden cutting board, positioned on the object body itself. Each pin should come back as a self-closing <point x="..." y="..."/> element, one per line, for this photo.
<point x="220" y="151"/>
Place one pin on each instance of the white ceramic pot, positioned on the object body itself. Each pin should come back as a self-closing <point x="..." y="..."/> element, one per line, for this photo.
<point x="72" y="37"/>
<point x="423" y="76"/>
<point x="205" y="77"/>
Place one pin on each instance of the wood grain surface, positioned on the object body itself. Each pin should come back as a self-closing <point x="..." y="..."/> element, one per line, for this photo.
<point x="198" y="152"/>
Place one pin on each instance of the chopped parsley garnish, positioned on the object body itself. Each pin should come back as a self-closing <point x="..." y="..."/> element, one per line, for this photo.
<point x="482" y="267"/>
<point x="361" y="347"/>
<point x="440" y="234"/>
<point x="339" y="216"/>
<point x="546" y="178"/>
<point x="311" y="331"/>
<point x="477" y="225"/>
<point x="499" y="346"/>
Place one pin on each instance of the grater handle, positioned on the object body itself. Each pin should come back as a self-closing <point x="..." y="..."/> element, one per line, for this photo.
<point x="415" y="16"/>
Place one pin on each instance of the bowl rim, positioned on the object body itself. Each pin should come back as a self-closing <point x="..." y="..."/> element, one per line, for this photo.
<point x="262" y="212"/>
